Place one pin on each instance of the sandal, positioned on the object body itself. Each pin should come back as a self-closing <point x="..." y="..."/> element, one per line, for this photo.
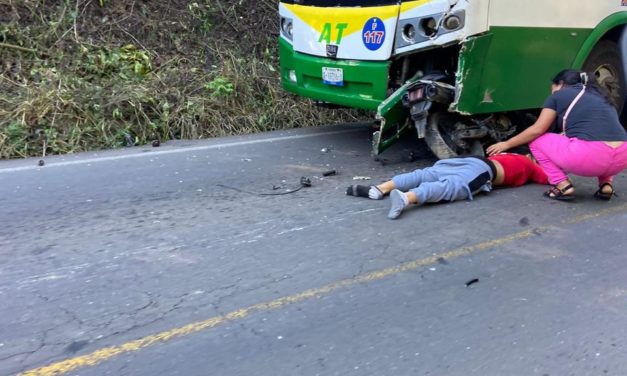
<point x="358" y="190"/>
<point x="556" y="193"/>
<point x="605" y="196"/>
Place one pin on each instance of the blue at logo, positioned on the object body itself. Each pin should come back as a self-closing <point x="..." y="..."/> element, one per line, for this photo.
<point x="373" y="34"/>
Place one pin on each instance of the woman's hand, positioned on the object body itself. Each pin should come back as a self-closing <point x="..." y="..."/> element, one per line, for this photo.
<point x="497" y="148"/>
<point x="540" y="127"/>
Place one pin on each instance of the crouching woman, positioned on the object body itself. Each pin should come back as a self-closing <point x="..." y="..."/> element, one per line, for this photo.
<point x="593" y="142"/>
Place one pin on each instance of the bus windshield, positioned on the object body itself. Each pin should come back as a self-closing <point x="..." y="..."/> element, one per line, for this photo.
<point x="342" y="3"/>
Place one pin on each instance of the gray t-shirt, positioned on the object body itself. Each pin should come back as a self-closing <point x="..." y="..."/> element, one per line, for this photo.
<point x="591" y="119"/>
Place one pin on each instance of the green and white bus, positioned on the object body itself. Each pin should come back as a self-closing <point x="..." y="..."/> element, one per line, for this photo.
<point x="458" y="72"/>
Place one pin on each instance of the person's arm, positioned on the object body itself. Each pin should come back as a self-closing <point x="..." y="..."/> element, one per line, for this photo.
<point x="540" y="127"/>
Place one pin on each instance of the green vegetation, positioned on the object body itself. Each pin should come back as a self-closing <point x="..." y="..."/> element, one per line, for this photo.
<point x="83" y="74"/>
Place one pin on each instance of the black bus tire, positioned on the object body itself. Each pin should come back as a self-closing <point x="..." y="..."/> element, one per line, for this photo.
<point x="606" y="63"/>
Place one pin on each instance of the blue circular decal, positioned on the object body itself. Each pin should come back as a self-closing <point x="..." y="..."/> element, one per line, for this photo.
<point x="373" y="34"/>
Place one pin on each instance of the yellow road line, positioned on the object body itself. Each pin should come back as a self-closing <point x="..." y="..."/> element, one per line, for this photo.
<point x="99" y="356"/>
<point x="600" y="213"/>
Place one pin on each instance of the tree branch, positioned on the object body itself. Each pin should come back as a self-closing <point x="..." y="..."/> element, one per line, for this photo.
<point x="6" y="45"/>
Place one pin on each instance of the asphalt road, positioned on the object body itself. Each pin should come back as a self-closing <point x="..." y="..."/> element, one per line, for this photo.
<point x="136" y="262"/>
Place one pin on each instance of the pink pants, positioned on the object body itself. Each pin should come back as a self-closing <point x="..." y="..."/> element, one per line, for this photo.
<point x="559" y="155"/>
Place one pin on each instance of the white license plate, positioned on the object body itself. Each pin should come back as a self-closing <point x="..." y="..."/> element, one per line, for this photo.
<point x="333" y="76"/>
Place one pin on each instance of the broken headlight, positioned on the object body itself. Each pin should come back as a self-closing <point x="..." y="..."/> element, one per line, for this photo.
<point x="420" y="29"/>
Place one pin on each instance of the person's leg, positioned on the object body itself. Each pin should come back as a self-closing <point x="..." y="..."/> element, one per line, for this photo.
<point x="618" y="163"/>
<point x="449" y="189"/>
<point x="410" y="180"/>
<point x="384" y="188"/>
<point x="551" y="151"/>
<point x="399" y="200"/>
<point x="404" y="182"/>
<point x="605" y="180"/>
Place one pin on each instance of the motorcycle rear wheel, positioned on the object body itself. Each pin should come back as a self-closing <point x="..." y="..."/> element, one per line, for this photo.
<point x="438" y="137"/>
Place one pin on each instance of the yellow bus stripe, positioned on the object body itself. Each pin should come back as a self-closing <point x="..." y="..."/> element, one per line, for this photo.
<point x="355" y="18"/>
<point x="409" y="5"/>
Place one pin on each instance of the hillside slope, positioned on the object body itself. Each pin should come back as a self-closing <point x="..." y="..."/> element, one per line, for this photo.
<point x="87" y="74"/>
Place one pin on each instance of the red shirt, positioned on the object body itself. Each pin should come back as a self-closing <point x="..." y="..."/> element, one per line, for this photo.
<point x="519" y="170"/>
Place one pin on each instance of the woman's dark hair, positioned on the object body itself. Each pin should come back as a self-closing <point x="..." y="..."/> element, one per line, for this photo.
<point x="571" y="77"/>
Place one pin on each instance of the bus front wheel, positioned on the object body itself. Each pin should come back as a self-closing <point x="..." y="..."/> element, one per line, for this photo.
<point x="605" y="63"/>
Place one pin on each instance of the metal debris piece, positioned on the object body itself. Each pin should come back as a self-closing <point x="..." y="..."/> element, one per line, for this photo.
<point x="329" y="173"/>
<point x="305" y="181"/>
<point x="472" y="282"/>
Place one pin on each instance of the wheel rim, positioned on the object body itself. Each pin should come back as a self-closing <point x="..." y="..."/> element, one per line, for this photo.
<point x="607" y="77"/>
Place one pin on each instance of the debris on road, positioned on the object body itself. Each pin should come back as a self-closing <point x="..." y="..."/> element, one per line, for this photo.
<point x="472" y="282"/>
<point x="325" y="150"/>
<point x="329" y="173"/>
<point x="156" y="143"/>
<point x="304" y="182"/>
<point x="361" y="178"/>
<point x="41" y="162"/>
<point x="442" y="260"/>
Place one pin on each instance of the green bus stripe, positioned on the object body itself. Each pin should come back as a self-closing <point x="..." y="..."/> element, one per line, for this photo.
<point x="365" y="82"/>
<point x="616" y="19"/>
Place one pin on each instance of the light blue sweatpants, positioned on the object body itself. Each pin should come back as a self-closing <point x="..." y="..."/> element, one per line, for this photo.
<point x="447" y="180"/>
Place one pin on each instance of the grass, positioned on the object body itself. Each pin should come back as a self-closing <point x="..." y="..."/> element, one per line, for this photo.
<point x="83" y="74"/>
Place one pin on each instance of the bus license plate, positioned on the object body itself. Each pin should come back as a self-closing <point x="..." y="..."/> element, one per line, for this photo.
<point x="333" y="76"/>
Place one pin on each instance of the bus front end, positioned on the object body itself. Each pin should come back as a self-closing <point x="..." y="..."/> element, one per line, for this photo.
<point x="354" y="53"/>
<point x="459" y="72"/>
<point x="362" y="53"/>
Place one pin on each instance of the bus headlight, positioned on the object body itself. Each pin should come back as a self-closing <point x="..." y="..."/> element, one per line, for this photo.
<point x="452" y="22"/>
<point x="421" y="29"/>
<point x="287" y="27"/>
<point x="409" y="33"/>
<point x="429" y="26"/>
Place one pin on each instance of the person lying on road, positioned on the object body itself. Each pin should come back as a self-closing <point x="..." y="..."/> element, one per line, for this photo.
<point x="453" y="179"/>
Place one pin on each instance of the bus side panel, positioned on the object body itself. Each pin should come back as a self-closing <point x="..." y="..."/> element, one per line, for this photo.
<point x="511" y="68"/>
